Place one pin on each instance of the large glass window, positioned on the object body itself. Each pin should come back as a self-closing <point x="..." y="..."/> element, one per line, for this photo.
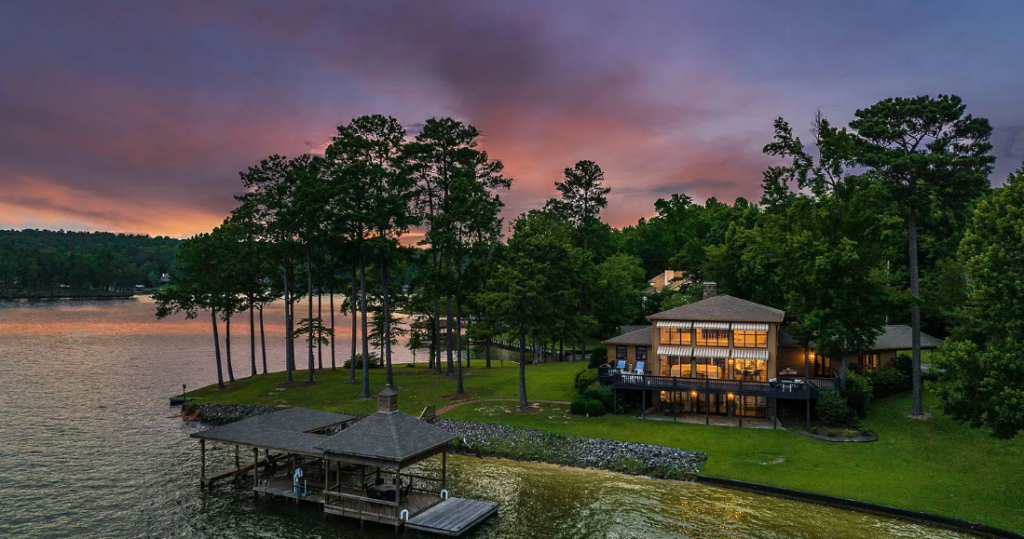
<point x="711" y="368"/>
<point x="712" y="337"/>
<point x="870" y="362"/>
<point x="749" y="339"/>
<point x="675" y="366"/>
<point x="620" y="352"/>
<point x="676" y="336"/>
<point x="641" y="353"/>
<point x="750" y="369"/>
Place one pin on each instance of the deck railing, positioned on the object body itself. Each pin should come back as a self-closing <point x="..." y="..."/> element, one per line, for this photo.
<point x="793" y="388"/>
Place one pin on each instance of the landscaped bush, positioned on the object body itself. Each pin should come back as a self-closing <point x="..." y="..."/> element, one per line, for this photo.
<point x="598" y="357"/>
<point x="599" y="392"/>
<point x="594" y="408"/>
<point x="578" y="406"/>
<point x="832" y="409"/>
<point x="905" y="364"/>
<point x="888" y="382"/>
<point x="583" y="380"/>
<point x="858" y="393"/>
<point x="831" y="433"/>
<point x="814" y="430"/>
<point x="849" y="433"/>
<point x="375" y="362"/>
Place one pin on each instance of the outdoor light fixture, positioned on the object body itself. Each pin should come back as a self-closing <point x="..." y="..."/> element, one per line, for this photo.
<point x="730" y="396"/>
<point x="693" y="393"/>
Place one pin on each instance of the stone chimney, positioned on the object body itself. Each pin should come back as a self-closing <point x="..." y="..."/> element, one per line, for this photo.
<point x="387" y="400"/>
<point x="710" y="290"/>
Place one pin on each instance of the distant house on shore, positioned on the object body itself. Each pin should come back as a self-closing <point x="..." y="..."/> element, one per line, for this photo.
<point x="165" y="279"/>
<point x="668" y="280"/>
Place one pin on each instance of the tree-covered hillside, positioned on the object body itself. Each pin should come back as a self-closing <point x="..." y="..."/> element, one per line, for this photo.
<point x="45" y="262"/>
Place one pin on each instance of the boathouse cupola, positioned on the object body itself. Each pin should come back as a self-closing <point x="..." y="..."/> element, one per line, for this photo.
<point x="387" y="400"/>
<point x="710" y="290"/>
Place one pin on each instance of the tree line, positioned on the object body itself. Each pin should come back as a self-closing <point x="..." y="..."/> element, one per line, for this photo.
<point x="314" y="226"/>
<point x="870" y="223"/>
<point x="44" y="262"/>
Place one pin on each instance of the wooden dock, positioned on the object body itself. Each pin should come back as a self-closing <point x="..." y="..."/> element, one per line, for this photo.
<point x="453" y="516"/>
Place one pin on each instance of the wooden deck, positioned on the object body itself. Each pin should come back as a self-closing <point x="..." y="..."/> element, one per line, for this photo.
<point x="779" y="390"/>
<point x="282" y="486"/>
<point x="453" y="516"/>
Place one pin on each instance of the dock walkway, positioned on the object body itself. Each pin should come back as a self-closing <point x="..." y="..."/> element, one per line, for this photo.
<point x="453" y="516"/>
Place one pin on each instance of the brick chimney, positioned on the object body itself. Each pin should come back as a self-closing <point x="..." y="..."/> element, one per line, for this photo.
<point x="710" y="290"/>
<point x="387" y="400"/>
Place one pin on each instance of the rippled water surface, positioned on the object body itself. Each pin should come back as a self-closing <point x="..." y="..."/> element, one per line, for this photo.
<point x="89" y="448"/>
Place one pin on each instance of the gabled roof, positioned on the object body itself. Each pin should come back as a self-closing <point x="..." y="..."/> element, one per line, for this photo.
<point x="290" y="430"/>
<point x="639" y="337"/>
<point x="900" y="338"/>
<point x="389" y="436"/>
<point x="724" y="308"/>
<point x="894" y="337"/>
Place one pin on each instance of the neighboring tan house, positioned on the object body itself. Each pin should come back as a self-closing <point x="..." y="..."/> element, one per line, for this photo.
<point x="670" y="279"/>
<point x="724" y="355"/>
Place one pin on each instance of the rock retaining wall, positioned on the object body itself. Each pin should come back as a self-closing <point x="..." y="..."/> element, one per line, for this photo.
<point x="503" y="441"/>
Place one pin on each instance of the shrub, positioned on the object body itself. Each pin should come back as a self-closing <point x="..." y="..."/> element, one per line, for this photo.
<point x="831" y="433"/>
<point x="578" y="406"/>
<point x="849" y="433"/>
<point x="583" y="380"/>
<point x="814" y="430"/>
<point x="831" y="408"/>
<point x="598" y="357"/>
<point x="375" y="362"/>
<point x="594" y="408"/>
<point x="599" y="392"/>
<point x="858" y="393"/>
<point x="888" y="382"/>
<point x="905" y="364"/>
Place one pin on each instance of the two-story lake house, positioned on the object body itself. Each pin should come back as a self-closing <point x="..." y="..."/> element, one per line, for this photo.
<point x="727" y="356"/>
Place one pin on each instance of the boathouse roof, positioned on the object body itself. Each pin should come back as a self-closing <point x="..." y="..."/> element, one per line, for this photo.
<point x="293" y="430"/>
<point x="387" y="438"/>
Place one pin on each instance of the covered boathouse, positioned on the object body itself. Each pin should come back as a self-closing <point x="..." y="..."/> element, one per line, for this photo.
<point x="366" y="470"/>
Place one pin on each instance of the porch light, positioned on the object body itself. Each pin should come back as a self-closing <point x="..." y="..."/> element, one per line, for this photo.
<point x="730" y="396"/>
<point x="693" y="393"/>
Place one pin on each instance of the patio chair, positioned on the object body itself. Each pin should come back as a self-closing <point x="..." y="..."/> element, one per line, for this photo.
<point x="621" y="365"/>
<point x="640" y="367"/>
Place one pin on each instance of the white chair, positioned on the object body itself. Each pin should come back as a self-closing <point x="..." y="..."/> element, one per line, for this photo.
<point x="640" y="367"/>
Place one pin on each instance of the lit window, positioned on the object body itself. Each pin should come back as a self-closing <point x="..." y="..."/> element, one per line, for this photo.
<point x="712" y="337"/>
<point x="676" y="336"/>
<point x="750" y="339"/>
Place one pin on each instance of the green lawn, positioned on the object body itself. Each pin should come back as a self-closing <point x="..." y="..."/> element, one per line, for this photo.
<point x="937" y="466"/>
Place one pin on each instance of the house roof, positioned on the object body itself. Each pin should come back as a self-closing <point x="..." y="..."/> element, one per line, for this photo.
<point x="389" y="436"/>
<point x="894" y="337"/>
<point x="722" y="307"/>
<point x="640" y="337"/>
<point x="631" y="328"/>
<point x="290" y="430"/>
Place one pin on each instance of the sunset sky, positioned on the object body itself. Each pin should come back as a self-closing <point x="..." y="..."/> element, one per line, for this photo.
<point x="137" y="116"/>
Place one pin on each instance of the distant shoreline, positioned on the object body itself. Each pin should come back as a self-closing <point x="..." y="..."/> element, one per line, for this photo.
<point x="31" y="297"/>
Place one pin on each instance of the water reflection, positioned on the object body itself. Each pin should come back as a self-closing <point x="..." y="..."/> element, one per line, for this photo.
<point x="88" y="448"/>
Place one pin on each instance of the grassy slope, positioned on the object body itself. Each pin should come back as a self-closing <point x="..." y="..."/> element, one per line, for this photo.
<point x="937" y="466"/>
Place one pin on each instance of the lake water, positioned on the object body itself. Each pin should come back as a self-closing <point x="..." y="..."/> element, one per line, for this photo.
<point x="89" y="448"/>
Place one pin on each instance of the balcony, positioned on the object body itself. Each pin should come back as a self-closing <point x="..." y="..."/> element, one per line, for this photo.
<point x="782" y="389"/>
